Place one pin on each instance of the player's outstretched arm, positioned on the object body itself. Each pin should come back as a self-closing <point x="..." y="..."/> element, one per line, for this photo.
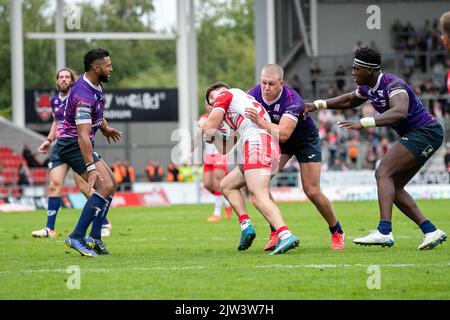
<point x="345" y="101"/>
<point x="398" y="111"/>
<point x="45" y="146"/>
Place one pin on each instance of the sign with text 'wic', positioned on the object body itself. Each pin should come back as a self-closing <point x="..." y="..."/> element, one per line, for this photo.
<point x="121" y="105"/>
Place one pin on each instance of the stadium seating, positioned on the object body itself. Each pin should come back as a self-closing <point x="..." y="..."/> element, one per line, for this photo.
<point x="39" y="176"/>
<point x="66" y="190"/>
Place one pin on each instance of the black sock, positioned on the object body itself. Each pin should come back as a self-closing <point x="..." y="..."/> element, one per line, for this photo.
<point x="337" y="228"/>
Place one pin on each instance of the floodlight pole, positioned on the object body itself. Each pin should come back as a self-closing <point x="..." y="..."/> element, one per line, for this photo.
<point x="186" y="70"/>
<point x="314" y="27"/>
<point x="265" y="35"/>
<point x="17" y="68"/>
<point x="60" y="42"/>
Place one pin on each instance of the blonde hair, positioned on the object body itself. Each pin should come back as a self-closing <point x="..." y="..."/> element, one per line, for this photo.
<point x="445" y="23"/>
<point x="273" y="69"/>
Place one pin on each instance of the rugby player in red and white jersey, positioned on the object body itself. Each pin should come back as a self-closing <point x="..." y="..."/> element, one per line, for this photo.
<point x="215" y="167"/>
<point x="261" y="159"/>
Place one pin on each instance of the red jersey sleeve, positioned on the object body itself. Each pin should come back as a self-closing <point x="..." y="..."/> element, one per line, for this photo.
<point x="223" y="100"/>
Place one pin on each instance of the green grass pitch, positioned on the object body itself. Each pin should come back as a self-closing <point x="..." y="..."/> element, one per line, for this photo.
<point x="174" y="253"/>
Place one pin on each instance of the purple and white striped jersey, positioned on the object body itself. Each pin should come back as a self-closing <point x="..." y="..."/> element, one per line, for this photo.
<point x="85" y="104"/>
<point x="58" y="104"/>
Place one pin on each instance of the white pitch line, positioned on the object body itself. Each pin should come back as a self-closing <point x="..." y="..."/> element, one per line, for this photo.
<point x="273" y="266"/>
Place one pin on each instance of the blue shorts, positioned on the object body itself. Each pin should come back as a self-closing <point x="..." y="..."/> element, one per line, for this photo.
<point x="69" y="152"/>
<point x="423" y="142"/>
<point x="55" y="161"/>
<point x="306" y="150"/>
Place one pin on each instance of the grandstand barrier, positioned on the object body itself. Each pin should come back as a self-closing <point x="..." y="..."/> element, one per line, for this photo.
<point x="338" y="186"/>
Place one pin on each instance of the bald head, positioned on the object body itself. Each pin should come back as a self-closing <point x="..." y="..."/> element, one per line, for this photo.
<point x="274" y="70"/>
<point x="272" y="81"/>
<point x="445" y="29"/>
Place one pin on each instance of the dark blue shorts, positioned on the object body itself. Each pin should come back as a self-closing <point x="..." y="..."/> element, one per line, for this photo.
<point x="423" y="142"/>
<point x="55" y="161"/>
<point x="69" y="152"/>
<point x="306" y="150"/>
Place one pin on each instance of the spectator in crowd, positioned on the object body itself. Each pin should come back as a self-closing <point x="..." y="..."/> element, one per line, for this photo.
<point x="30" y="158"/>
<point x="438" y="71"/>
<point x="128" y="177"/>
<point x="340" y="78"/>
<point x="338" y="165"/>
<point x="447" y="160"/>
<point x="154" y="171"/>
<point x="383" y="148"/>
<point x="115" y="168"/>
<point x="332" y="146"/>
<point x="409" y="31"/>
<point x="295" y="83"/>
<point x="172" y="173"/>
<point x="359" y="44"/>
<point x="371" y="159"/>
<point x="398" y="39"/>
<point x="353" y="152"/>
<point x="314" y="72"/>
<point x="445" y="30"/>
<point x="423" y="48"/>
<point x="24" y="174"/>
<point x="185" y="173"/>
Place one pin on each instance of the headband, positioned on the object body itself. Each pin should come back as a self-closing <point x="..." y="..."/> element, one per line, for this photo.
<point x="366" y="64"/>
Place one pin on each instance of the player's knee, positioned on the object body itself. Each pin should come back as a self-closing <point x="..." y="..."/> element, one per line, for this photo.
<point x="106" y="187"/>
<point x="260" y="198"/>
<point x="54" y="186"/>
<point x="209" y="186"/>
<point x="312" y="192"/>
<point x="381" y="173"/>
<point x="224" y="187"/>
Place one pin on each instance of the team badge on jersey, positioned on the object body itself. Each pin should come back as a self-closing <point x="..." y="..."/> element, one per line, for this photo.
<point x="428" y="151"/>
<point x="42" y="105"/>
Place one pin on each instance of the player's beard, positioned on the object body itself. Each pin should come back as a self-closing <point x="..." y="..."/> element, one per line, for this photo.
<point x="64" y="88"/>
<point x="103" y="77"/>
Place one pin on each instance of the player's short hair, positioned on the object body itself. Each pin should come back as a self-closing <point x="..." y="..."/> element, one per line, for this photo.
<point x="273" y="69"/>
<point x="445" y="23"/>
<point x="93" y="55"/>
<point x="73" y="76"/>
<point x="213" y="87"/>
<point x="369" y="56"/>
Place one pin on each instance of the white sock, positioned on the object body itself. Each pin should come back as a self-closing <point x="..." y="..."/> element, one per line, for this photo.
<point x="218" y="205"/>
<point x="245" y="224"/>
<point x="284" y="234"/>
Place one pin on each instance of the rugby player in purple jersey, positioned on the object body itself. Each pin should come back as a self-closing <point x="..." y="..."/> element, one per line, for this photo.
<point x="75" y="146"/>
<point x="65" y="78"/>
<point x="420" y="136"/>
<point x="298" y="137"/>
